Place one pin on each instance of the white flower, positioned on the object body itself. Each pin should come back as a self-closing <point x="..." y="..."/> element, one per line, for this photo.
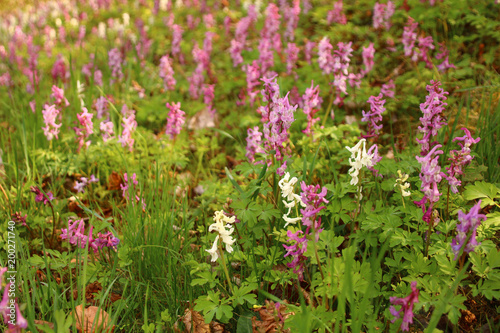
<point x="213" y="250"/>
<point x="222" y="226"/>
<point x="359" y="158"/>
<point x="402" y="185"/>
<point x="291" y="220"/>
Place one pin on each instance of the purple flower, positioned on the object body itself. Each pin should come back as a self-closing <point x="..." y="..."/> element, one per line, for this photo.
<point x="459" y="159"/>
<point x="129" y="125"/>
<point x="51" y="129"/>
<point x="388" y="89"/>
<point x="292" y="56"/>
<point x="107" y="130"/>
<point x="176" y="42"/>
<point x="443" y="54"/>
<point x="312" y="102"/>
<point x="106" y="240"/>
<point x="296" y="250"/>
<point x="175" y="120"/>
<point x="325" y="58"/>
<point x="101" y="105"/>
<point x="466" y="230"/>
<point x="409" y="36"/>
<point x="18" y="218"/>
<point x="368" y="55"/>
<point x="432" y="119"/>
<point x="254" y="143"/>
<point x="431" y="176"/>
<point x="291" y="17"/>
<point x="374" y="116"/>
<point x="41" y="197"/>
<point x="336" y="15"/>
<point x="253" y="76"/>
<point x="58" y="96"/>
<point x="308" y="48"/>
<point x="235" y="52"/>
<point x="406" y="307"/>
<point x="266" y="55"/>
<point x="115" y="64"/>
<point x="167" y="73"/>
<point x="208" y="97"/>
<point x="59" y="69"/>
<point x="382" y="14"/>
<point x="424" y="45"/>
<point x="313" y="205"/>
<point x="87" y="128"/>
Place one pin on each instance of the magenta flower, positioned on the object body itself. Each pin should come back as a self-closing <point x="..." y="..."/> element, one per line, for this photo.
<point x="430" y="175"/>
<point x="87" y="128"/>
<point x="374" y="116"/>
<point x="296" y="250"/>
<point x="115" y="64"/>
<point x="292" y="56"/>
<point x="101" y="105"/>
<point x="235" y="52"/>
<point x="51" y="129"/>
<point x="388" y="89"/>
<point x="336" y="15"/>
<point x="382" y="14"/>
<point x="313" y="205"/>
<point x="308" y="49"/>
<point x="75" y="234"/>
<point x="432" y="119"/>
<point x="466" y="230"/>
<point x="424" y="45"/>
<point x="175" y="120"/>
<point x="291" y="17"/>
<point x="253" y="76"/>
<point x="208" y="97"/>
<point x="266" y="55"/>
<point x="129" y="188"/>
<point x="406" y="307"/>
<point x="254" y="143"/>
<point x="325" y="58"/>
<point x="368" y="55"/>
<point x="312" y="103"/>
<point x="59" y="69"/>
<point x="409" y="36"/>
<point x="459" y="159"/>
<point x="444" y="54"/>
<point x="129" y="126"/>
<point x="41" y="197"/>
<point x="176" y="42"/>
<point x="58" y="96"/>
<point x="107" y="130"/>
<point x="167" y="73"/>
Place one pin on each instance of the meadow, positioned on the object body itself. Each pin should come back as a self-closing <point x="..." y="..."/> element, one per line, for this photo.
<point x="250" y="166"/>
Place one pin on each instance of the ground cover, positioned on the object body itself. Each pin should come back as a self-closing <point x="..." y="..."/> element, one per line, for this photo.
<point x="250" y="166"/>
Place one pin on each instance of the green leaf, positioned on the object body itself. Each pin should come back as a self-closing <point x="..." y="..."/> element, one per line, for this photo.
<point x="481" y="190"/>
<point x="244" y="324"/>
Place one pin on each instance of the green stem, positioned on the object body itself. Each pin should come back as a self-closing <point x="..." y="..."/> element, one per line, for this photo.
<point x="225" y="267"/>
<point x="428" y="240"/>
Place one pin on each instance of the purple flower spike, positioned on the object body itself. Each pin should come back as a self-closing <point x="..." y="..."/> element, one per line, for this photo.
<point x="466" y="230"/>
<point x="406" y="307"/>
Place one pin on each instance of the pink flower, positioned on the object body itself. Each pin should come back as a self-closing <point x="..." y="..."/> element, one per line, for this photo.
<point x="129" y="125"/>
<point x="325" y="58"/>
<point x="292" y="56"/>
<point x="466" y="230"/>
<point x="176" y="42"/>
<point x="107" y="130"/>
<point x="51" y="129"/>
<point x="253" y="76"/>
<point x="388" y="89"/>
<point x="409" y="36"/>
<point x="59" y="69"/>
<point x="382" y="14"/>
<point x="254" y="143"/>
<point x="58" y="96"/>
<point x="312" y="102"/>
<point x="308" y="48"/>
<point x="296" y="250"/>
<point x="87" y="127"/>
<point x="406" y="307"/>
<point x="336" y="15"/>
<point x="208" y="97"/>
<point x="374" y="116"/>
<point x="313" y="205"/>
<point x="167" y="73"/>
<point x="368" y="55"/>
<point x="115" y="64"/>
<point x="175" y="120"/>
<point x="443" y="54"/>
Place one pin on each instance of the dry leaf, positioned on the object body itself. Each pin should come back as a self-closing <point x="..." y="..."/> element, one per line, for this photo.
<point x="44" y="323"/>
<point x="271" y="318"/>
<point x="114" y="181"/>
<point x="195" y="322"/>
<point x="202" y="119"/>
<point x="85" y="320"/>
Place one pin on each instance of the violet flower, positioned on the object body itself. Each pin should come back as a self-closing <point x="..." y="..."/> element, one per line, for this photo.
<point x="115" y="64"/>
<point x="208" y="97"/>
<point x="41" y="197"/>
<point x="459" y="159"/>
<point x="325" y="57"/>
<point x="175" y="119"/>
<point x="308" y="48"/>
<point x="167" y="73"/>
<point x="176" y="42"/>
<point x="466" y="230"/>
<point x="444" y="54"/>
<point x="407" y="304"/>
<point x="129" y="126"/>
<point x="292" y="56"/>
<point x="388" y="89"/>
<point x="409" y="36"/>
<point x="254" y="143"/>
<point x="253" y="76"/>
<point x="51" y="129"/>
<point x="382" y="14"/>
<point x="336" y="15"/>
<point x="296" y="250"/>
<point x="374" y="116"/>
<point x="312" y="103"/>
<point x="313" y="202"/>
<point x="368" y="55"/>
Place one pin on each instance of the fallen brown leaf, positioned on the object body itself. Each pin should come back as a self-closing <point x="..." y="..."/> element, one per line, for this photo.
<point x="85" y="320"/>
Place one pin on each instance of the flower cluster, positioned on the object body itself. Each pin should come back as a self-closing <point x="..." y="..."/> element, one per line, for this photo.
<point x="292" y="52"/>
<point x="129" y="125"/>
<point x="286" y="185"/>
<point x="9" y="308"/>
<point x="175" y="119"/>
<point x="176" y="42"/>
<point x="407" y="304"/>
<point x="101" y="104"/>
<point x="84" y="181"/>
<point x="296" y="250"/>
<point x="167" y="73"/>
<point x="336" y="15"/>
<point x="409" y="36"/>
<point x="222" y="226"/>
<point x="432" y="119"/>
<point x="41" y="197"/>
<point x="374" y="115"/>
<point x="75" y="235"/>
<point x="58" y="96"/>
<point x="400" y="182"/>
<point x="368" y="55"/>
<point x="254" y="143"/>
<point x="107" y="130"/>
<point x="50" y="114"/>
<point x="466" y="230"/>
<point x="253" y="75"/>
<point x="359" y="158"/>
<point x="87" y="128"/>
<point x="430" y="175"/>
<point x="444" y="54"/>
<point x="115" y="64"/>
<point x="460" y="159"/>
<point x="312" y="201"/>
<point x="382" y="14"/>
<point x="388" y="89"/>
<point x="312" y="102"/>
